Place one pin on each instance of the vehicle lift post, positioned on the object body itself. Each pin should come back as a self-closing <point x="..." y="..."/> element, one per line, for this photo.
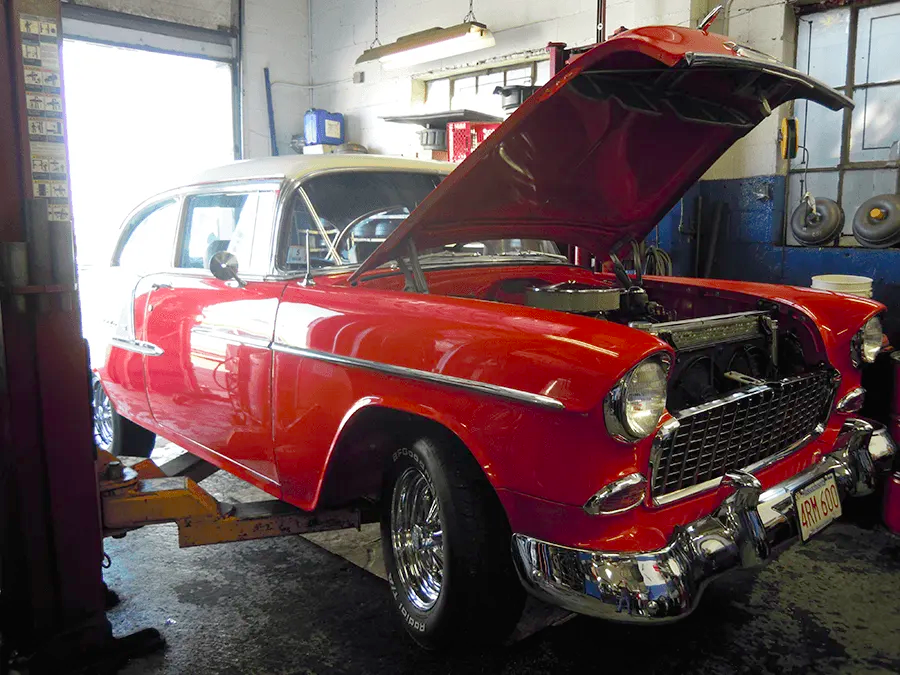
<point x="53" y="600"/>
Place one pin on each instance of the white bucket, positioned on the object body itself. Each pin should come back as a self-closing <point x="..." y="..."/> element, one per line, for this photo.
<point x="844" y="283"/>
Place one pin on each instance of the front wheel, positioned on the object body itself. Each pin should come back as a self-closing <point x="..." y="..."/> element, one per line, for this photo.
<point x="114" y="433"/>
<point x="446" y="546"/>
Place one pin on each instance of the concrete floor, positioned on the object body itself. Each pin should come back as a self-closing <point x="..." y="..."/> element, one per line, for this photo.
<point x="287" y="606"/>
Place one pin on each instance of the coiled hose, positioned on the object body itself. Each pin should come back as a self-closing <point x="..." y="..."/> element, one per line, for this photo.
<point x="657" y="262"/>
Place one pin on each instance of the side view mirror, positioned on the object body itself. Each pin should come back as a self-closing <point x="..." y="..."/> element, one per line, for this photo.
<point x="224" y="267"/>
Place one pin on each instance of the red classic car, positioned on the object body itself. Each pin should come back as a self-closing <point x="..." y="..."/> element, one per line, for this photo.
<point x="353" y="327"/>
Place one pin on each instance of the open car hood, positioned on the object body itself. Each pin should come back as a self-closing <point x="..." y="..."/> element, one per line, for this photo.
<point x="599" y="154"/>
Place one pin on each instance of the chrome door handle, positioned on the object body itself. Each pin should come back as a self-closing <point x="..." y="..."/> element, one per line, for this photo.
<point x="156" y="286"/>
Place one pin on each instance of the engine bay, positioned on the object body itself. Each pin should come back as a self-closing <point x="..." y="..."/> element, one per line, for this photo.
<point x="715" y="354"/>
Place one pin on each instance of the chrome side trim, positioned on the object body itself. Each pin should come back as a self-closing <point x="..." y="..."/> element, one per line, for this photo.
<point x="423" y="376"/>
<point x="137" y="346"/>
<point x="742" y="532"/>
<point x="234" y="338"/>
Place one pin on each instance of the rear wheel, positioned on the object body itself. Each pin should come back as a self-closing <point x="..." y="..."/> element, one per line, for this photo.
<point x="446" y="547"/>
<point x="114" y="433"/>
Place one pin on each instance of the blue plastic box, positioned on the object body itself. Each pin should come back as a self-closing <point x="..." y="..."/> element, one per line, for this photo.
<point x="321" y="126"/>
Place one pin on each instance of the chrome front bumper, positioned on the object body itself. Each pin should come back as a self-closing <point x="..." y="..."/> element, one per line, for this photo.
<point x="666" y="585"/>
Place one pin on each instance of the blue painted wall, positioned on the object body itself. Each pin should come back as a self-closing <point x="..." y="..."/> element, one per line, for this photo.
<point x="749" y="249"/>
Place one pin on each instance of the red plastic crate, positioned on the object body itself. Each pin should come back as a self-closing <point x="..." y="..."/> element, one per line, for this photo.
<point x="464" y="137"/>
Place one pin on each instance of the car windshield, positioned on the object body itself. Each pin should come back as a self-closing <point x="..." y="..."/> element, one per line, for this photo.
<point x="358" y="210"/>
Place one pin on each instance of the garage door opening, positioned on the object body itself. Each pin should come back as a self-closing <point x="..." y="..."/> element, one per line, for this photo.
<point x="138" y="123"/>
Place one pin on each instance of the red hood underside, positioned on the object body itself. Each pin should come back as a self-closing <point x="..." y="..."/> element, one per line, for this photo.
<point x="600" y="153"/>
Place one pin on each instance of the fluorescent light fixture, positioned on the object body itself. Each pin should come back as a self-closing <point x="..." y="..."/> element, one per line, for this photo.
<point x="431" y="45"/>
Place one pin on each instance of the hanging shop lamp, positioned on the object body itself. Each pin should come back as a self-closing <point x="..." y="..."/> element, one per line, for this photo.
<point x="429" y="45"/>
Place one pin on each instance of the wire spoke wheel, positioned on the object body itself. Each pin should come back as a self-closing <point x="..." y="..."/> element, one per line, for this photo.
<point x="103" y="416"/>
<point x="417" y="538"/>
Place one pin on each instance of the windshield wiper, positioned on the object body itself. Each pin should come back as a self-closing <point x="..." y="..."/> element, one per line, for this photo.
<point x="449" y="254"/>
<point x="540" y="254"/>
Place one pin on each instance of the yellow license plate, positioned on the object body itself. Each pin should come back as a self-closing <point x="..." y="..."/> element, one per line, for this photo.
<point x="818" y="504"/>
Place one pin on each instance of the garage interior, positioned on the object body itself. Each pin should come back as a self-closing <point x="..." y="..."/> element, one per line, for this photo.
<point x="147" y="94"/>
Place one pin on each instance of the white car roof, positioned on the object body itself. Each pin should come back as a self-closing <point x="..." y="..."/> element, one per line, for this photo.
<point x="291" y="167"/>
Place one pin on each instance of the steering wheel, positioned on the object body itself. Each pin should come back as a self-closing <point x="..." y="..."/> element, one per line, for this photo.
<point x="384" y="210"/>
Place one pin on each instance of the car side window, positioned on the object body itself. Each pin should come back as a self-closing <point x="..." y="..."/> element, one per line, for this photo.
<point x="151" y="238"/>
<point x="218" y="222"/>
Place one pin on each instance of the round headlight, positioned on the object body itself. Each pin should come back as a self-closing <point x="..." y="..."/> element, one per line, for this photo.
<point x="634" y="406"/>
<point x="867" y="342"/>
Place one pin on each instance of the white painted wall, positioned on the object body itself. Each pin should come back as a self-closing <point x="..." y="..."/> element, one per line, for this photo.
<point x="275" y="34"/>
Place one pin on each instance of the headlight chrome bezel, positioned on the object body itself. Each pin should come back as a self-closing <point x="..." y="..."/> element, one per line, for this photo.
<point x="614" y="405"/>
<point x="858" y="354"/>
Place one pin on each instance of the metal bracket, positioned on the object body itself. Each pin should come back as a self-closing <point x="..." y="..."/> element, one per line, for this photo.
<point x="770" y="327"/>
<point x="741" y="378"/>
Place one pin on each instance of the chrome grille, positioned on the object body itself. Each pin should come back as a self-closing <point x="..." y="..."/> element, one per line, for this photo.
<point x="739" y="430"/>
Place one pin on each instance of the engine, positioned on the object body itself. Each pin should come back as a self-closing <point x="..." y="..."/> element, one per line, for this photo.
<point x="714" y="354"/>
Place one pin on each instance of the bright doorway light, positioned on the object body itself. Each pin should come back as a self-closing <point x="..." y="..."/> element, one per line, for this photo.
<point x="138" y="122"/>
